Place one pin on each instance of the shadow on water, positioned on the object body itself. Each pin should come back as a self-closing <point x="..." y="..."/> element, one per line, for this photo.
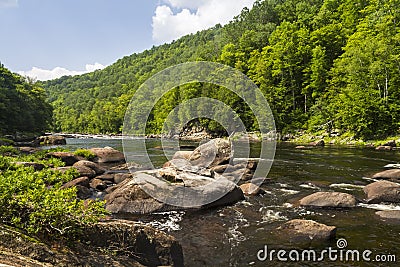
<point x="232" y="236"/>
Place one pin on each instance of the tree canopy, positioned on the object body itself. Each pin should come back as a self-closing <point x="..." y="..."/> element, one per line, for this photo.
<point x="23" y="105"/>
<point x="321" y="64"/>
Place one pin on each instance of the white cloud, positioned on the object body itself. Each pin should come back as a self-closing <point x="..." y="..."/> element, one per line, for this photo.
<point x="57" y="72"/>
<point x="8" y="3"/>
<point x="193" y="16"/>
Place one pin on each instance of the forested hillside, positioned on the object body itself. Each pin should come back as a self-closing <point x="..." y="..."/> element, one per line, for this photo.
<point x="23" y="106"/>
<point x="322" y="65"/>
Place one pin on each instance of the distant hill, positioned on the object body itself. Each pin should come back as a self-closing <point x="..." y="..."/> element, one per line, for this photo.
<point x="322" y="65"/>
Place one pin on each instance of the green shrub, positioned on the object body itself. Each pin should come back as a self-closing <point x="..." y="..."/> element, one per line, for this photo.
<point x="33" y="201"/>
<point x="89" y="155"/>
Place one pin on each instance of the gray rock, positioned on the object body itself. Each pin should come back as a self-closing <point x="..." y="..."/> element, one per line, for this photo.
<point x="85" y="171"/>
<point x="120" y="177"/>
<point x="307" y="230"/>
<point x="182" y="155"/>
<point x="28" y="149"/>
<point x="389" y="214"/>
<point x="107" y="154"/>
<point x="83" y="181"/>
<point x="189" y="190"/>
<point x="392" y="174"/>
<point x="85" y="163"/>
<point x="212" y="153"/>
<point x="329" y="200"/>
<point x="382" y="191"/>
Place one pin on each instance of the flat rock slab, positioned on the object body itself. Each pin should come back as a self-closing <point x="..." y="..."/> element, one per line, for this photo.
<point x="382" y="191"/>
<point x="389" y="214"/>
<point x="303" y="230"/>
<point x="392" y="174"/>
<point x="329" y="200"/>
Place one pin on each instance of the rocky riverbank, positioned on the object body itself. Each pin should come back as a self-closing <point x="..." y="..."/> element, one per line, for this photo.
<point x="106" y="176"/>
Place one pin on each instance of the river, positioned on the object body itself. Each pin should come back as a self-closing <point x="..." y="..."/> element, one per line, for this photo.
<point x="232" y="236"/>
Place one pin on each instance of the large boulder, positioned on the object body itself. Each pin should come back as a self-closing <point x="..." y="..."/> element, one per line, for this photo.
<point x="150" y="246"/>
<point x="392" y="174"/>
<point x="382" y="191"/>
<point x="329" y="200"/>
<point x="307" y="230"/>
<point x="107" y="155"/>
<point x="169" y="183"/>
<point x="389" y="214"/>
<point x="212" y="153"/>
<point x="89" y="164"/>
<point x="68" y="158"/>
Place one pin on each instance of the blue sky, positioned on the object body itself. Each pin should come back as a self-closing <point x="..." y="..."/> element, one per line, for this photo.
<point x="49" y="38"/>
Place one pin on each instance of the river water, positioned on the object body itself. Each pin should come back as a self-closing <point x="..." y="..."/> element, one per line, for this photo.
<point x="232" y="236"/>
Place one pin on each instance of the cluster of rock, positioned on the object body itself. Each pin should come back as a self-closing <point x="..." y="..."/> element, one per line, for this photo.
<point x="377" y="192"/>
<point x="206" y="177"/>
<point x="381" y="191"/>
<point x="93" y="177"/>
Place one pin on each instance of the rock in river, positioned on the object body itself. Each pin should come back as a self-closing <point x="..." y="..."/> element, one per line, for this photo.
<point x="307" y="230"/>
<point x="212" y="153"/>
<point x="329" y="200"/>
<point x="184" y="189"/>
<point x="382" y="191"/>
<point x="392" y="174"/>
<point x="389" y="214"/>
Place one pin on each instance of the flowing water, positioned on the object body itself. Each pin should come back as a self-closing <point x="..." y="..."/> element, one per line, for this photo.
<point x="232" y="236"/>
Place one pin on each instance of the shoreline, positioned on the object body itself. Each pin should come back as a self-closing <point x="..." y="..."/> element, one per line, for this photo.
<point x="306" y="139"/>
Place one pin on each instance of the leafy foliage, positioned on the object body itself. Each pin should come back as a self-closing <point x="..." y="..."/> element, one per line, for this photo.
<point x="33" y="201"/>
<point x="89" y="155"/>
<point x="23" y="106"/>
<point x="321" y="64"/>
